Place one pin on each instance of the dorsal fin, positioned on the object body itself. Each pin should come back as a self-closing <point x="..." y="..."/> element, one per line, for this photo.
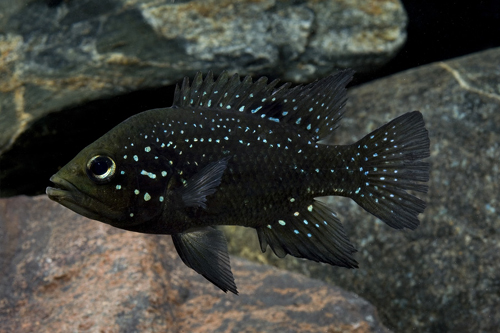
<point x="316" y="107"/>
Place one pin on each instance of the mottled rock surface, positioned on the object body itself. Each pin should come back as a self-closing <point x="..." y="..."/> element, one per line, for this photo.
<point x="61" y="272"/>
<point x="58" y="54"/>
<point x="444" y="276"/>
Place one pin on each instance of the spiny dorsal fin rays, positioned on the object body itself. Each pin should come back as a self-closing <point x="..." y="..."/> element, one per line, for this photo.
<point x="316" y="107"/>
<point x="196" y="87"/>
<point x="226" y="92"/>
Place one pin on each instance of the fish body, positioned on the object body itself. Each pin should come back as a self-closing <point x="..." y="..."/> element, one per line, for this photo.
<point x="232" y="152"/>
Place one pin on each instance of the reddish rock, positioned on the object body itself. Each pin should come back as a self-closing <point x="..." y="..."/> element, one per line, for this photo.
<point x="62" y="272"/>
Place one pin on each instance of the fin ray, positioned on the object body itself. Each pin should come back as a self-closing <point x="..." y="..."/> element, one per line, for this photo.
<point x="316" y="107"/>
<point x="203" y="184"/>
<point x="205" y="251"/>
<point x="391" y="159"/>
<point x="319" y="106"/>
<point x="314" y="233"/>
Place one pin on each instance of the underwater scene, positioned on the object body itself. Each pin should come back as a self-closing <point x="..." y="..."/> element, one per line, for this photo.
<point x="249" y="166"/>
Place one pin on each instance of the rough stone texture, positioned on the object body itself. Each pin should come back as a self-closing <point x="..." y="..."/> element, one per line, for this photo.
<point x="444" y="276"/>
<point x="64" y="273"/>
<point x="57" y="54"/>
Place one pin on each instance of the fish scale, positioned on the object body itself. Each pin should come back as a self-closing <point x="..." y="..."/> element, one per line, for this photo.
<point x="232" y="152"/>
<point x="245" y="160"/>
<point x="242" y="166"/>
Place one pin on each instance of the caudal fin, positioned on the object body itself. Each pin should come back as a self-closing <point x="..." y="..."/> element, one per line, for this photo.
<point x="391" y="162"/>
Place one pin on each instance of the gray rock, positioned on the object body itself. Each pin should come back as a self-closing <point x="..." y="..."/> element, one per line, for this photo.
<point x="64" y="273"/>
<point x="58" y="54"/>
<point x="444" y="276"/>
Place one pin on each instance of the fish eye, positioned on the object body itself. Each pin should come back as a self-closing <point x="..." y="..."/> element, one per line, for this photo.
<point x="100" y="168"/>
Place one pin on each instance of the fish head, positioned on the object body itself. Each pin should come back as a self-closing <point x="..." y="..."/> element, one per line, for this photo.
<point x="101" y="183"/>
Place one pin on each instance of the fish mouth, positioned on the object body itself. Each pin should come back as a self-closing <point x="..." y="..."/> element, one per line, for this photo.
<point x="63" y="191"/>
<point x="68" y="195"/>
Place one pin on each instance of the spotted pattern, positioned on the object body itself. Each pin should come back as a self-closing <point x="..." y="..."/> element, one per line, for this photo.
<point x="200" y="130"/>
<point x="276" y="162"/>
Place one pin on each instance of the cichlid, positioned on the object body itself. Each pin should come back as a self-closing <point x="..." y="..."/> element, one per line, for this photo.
<point x="232" y="152"/>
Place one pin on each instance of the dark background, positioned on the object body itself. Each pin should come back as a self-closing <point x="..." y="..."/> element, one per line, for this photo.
<point x="440" y="30"/>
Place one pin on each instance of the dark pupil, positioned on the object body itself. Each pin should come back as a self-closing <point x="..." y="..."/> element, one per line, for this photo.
<point x="99" y="166"/>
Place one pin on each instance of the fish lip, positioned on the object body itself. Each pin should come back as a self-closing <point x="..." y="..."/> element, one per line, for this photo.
<point x="63" y="189"/>
<point x="68" y="195"/>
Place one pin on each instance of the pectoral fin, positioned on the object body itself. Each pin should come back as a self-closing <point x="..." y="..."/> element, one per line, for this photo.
<point x="205" y="251"/>
<point x="203" y="184"/>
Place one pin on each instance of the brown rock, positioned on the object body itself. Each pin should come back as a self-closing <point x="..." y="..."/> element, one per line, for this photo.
<point x="62" y="272"/>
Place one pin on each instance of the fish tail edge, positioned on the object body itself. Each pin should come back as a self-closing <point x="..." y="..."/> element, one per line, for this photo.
<point x="391" y="163"/>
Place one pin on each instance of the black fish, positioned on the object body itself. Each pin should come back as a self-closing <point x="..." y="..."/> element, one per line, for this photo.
<point x="243" y="153"/>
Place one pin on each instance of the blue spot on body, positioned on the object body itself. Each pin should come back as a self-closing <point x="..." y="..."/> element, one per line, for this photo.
<point x="256" y="110"/>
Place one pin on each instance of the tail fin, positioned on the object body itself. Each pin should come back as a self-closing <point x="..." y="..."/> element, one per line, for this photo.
<point x="391" y="162"/>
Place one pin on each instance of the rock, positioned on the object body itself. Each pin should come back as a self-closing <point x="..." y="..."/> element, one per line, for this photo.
<point x="442" y="277"/>
<point x="58" y="54"/>
<point x="64" y="273"/>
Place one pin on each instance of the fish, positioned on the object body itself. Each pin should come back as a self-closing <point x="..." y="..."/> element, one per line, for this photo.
<point x="231" y="151"/>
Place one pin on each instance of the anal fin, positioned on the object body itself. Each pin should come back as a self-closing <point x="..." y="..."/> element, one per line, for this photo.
<point x="205" y="251"/>
<point x="313" y="232"/>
